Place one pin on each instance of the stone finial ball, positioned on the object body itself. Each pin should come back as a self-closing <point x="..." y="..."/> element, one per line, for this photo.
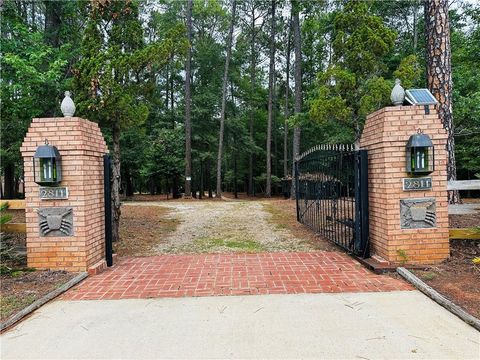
<point x="67" y="106"/>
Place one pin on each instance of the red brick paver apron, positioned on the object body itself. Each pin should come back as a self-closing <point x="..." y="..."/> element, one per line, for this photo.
<point x="232" y="274"/>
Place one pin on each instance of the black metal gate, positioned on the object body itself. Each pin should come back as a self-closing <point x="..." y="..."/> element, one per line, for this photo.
<point x="332" y="195"/>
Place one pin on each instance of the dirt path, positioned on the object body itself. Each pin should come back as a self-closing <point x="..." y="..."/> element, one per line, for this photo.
<point x="223" y="226"/>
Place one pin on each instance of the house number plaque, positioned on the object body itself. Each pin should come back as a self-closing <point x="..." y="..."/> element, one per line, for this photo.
<point x="412" y="184"/>
<point x="53" y="193"/>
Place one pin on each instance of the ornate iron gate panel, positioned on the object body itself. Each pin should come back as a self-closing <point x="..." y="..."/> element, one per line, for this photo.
<point x="332" y="195"/>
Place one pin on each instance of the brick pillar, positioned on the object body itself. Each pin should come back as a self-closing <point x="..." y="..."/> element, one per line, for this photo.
<point x="385" y="136"/>
<point x="81" y="146"/>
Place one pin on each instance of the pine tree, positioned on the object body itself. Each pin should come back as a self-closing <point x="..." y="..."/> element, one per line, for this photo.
<point x="224" y="100"/>
<point x="111" y="80"/>
<point x="271" y="90"/>
<point x="298" y="87"/>
<point x="188" y="102"/>
<point x="439" y="76"/>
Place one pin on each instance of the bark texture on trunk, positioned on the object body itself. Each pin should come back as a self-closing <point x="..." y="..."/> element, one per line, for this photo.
<point x="53" y="10"/>
<point x="129" y="184"/>
<point x="271" y="89"/>
<point x="287" y="96"/>
<point x="116" y="181"/>
<point x="298" y="88"/>
<point x="439" y="75"/>
<point x="224" y="101"/>
<point x="9" y="181"/>
<point x="251" y="190"/>
<point x="188" y="99"/>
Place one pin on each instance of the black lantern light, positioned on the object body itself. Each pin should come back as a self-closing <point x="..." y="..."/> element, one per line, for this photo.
<point x="420" y="154"/>
<point x="47" y="165"/>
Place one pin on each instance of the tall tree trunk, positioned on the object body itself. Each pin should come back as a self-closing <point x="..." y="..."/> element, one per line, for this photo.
<point x="202" y="172"/>
<point x="298" y="87"/>
<point x="116" y="181"/>
<point x="271" y="74"/>
<point x="167" y="84"/>
<point x="439" y="76"/>
<point x="53" y="21"/>
<point x="9" y="181"/>
<point x="129" y="184"/>
<point x="415" y="26"/>
<point x="32" y="3"/>
<point x="175" y="193"/>
<point x="172" y="111"/>
<point x="287" y="110"/>
<point x="188" y="100"/>
<point x="209" y="180"/>
<point x="235" y="170"/>
<point x="251" y="190"/>
<point x="224" y="101"/>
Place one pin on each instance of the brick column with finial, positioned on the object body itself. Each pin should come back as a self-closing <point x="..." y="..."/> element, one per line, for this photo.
<point x="405" y="226"/>
<point x="82" y="147"/>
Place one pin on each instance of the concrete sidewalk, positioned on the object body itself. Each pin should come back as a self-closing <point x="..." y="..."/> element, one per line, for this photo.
<point x="400" y="325"/>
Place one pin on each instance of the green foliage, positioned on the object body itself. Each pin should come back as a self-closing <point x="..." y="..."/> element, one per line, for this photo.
<point x="7" y="251"/>
<point x="112" y="78"/>
<point x="164" y="157"/>
<point x="361" y="40"/>
<point x="4" y="217"/>
<point x="125" y="61"/>
<point x="403" y="256"/>
<point x="375" y="95"/>
<point x="466" y="90"/>
<point x="353" y="86"/>
<point x="408" y="71"/>
<point x="332" y="99"/>
<point x="28" y="66"/>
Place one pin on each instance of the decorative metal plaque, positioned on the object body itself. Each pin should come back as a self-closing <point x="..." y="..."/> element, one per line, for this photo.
<point x="412" y="184"/>
<point x="55" y="221"/>
<point x="53" y="193"/>
<point x="417" y="213"/>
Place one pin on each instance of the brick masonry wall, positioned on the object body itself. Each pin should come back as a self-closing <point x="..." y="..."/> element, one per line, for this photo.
<point x="82" y="146"/>
<point x="385" y="136"/>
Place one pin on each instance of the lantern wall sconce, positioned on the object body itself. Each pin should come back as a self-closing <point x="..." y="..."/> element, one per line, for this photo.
<point x="47" y="165"/>
<point x="420" y="154"/>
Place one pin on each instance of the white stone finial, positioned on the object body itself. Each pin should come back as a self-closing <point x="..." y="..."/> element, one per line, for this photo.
<point x="67" y="107"/>
<point x="398" y="93"/>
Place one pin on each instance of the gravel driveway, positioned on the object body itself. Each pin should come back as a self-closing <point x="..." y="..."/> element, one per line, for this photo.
<point x="224" y="226"/>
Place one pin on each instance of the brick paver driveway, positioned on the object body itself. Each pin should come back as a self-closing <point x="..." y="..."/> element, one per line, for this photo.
<point x="233" y="274"/>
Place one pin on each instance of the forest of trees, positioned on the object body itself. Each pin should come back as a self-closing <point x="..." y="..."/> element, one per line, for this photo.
<point x="204" y="96"/>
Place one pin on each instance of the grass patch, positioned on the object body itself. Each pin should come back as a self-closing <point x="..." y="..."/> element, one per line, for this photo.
<point x="4" y="270"/>
<point x="428" y="275"/>
<point x="279" y="216"/>
<point x="142" y="228"/>
<point x="283" y="217"/>
<point x="13" y="303"/>
<point x="209" y="244"/>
